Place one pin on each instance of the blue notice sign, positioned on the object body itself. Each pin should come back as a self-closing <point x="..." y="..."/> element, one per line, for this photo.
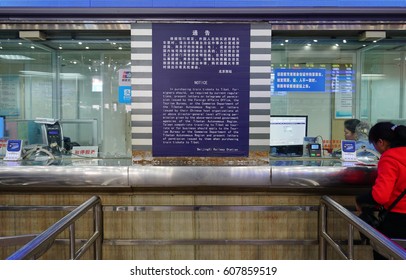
<point x="124" y="94"/>
<point x="309" y="80"/>
<point x="200" y="89"/>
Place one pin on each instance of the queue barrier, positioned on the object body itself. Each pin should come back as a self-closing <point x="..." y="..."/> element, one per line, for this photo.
<point x="37" y="246"/>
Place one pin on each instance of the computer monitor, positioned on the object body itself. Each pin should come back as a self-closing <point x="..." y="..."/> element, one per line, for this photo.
<point x="2" y="126"/>
<point x="287" y="134"/>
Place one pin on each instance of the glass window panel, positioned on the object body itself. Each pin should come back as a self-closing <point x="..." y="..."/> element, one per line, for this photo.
<point x="75" y="80"/>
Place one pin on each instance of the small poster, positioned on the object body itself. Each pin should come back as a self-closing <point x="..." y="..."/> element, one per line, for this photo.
<point x="124" y="94"/>
<point x="9" y="95"/>
<point x="124" y="77"/>
<point x="342" y="86"/>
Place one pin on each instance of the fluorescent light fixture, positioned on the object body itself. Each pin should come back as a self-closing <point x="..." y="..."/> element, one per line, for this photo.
<point x="15" y="57"/>
<point x="373" y="76"/>
<point x="48" y="74"/>
<point x="32" y="35"/>
<point x="372" y="36"/>
<point x="37" y="73"/>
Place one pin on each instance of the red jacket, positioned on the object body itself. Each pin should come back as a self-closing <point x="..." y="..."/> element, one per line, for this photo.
<point x="391" y="179"/>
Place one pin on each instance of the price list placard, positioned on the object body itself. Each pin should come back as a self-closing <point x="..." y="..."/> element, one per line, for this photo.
<point x="342" y="87"/>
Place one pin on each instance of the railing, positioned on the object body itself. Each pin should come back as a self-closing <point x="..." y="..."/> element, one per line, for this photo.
<point x="19" y="240"/>
<point x="41" y="243"/>
<point x="379" y="241"/>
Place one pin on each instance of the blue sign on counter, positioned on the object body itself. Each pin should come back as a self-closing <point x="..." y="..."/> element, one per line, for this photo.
<point x="309" y="80"/>
<point x="200" y="89"/>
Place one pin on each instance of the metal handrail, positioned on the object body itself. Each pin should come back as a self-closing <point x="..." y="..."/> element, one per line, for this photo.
<point x="16" y="240"/>
<point x="40" y="244"/>
<point x="378" y="240"/>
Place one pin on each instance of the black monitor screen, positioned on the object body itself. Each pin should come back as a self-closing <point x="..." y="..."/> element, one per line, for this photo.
<point x="2" y="126"/>
<point x="287" y="134"/>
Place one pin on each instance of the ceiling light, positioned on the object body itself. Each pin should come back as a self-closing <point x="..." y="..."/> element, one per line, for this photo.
<point x="345" y="41"/>
<point x="15" y="57"/>
<point x="372" y="36"/>
<point x="32" y="35"/>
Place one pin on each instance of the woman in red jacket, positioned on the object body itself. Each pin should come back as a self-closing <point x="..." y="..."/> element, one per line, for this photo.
<point x="389" y="140"/>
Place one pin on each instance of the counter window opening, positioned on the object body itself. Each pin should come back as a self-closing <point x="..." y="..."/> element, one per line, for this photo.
<point x="335" y="77"/>
<point x="56" y="79"/>
<point x="337" y="81"/>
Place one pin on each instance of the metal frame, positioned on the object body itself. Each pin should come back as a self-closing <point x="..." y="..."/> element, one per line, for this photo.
<point x="37" y="246"/>
<point x="379" y="241"/>
<point x="40" y="244"/>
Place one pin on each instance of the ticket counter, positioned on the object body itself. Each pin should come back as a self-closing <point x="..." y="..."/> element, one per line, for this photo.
<point x="274" y="212"/>
<point x="118" y="175"/>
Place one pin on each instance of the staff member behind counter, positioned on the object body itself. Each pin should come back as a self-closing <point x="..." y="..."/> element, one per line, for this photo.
<point x="357" y="130"/>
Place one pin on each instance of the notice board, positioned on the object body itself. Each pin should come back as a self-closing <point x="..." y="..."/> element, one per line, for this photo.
<point x="200" y="91"/>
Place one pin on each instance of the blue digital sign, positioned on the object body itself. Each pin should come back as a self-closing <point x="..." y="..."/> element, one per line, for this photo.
<point x="309" y="80"/>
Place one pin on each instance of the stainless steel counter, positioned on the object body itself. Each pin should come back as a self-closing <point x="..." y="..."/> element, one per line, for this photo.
<point x="120" y="175"/>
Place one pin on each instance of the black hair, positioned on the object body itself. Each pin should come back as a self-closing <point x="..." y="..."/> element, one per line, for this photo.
<point x="394" y="134"/>
<point x="351" y="124"/>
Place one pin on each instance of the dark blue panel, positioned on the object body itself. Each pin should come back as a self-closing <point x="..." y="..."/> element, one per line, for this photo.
<point x="200" y="89"/>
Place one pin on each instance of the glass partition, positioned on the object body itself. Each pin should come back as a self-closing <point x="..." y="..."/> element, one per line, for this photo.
<point x="382" y="90"/>
<point x="72" y="76"/>
<point x="335" y="75"/>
